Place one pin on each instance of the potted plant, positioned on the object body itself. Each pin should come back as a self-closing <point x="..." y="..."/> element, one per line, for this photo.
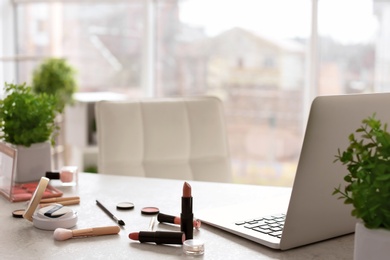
<point x="367" y="159"/>
<point x="27" y="122"/>
<point x="56" y="77"/>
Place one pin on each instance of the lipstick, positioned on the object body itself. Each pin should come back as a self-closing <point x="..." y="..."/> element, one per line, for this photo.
<point x="165" y="218"/>
<point x="159" y="237"/>
<point x="187" y="217"/>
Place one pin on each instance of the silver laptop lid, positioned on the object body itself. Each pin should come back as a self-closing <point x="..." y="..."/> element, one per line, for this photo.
<point x="313" y="213"/>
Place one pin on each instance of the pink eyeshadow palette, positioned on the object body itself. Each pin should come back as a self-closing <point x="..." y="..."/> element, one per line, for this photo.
<point x="25" y="191"/>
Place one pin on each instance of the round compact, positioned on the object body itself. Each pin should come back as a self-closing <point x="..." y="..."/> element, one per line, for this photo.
<point x="150" y="210"/>
<point x="50" y="217"/>
<point x="125" y="205"/>
<point x="193" y="247"/>
<point x="55" y="211"/>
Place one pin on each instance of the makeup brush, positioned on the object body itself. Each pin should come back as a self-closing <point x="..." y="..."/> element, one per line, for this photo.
<point x="117" y="220"/>
<point x="61" y="234"/>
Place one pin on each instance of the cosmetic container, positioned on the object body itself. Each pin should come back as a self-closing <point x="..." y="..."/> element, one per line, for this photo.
<point x="50" y="217"/>
<point x="67" y="176"/>
<point x="193" y="247"/>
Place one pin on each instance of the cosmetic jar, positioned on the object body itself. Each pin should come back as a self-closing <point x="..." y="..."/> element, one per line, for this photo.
<point x="193" y="247"/>
<point x="50" y="217"/>
<point x="67" y="176"/>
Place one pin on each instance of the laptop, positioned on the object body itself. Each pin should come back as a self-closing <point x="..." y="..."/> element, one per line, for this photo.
<point x="309" y="212"/>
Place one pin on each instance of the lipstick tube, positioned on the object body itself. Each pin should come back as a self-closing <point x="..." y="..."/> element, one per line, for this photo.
<point x="186" y="216"/>
<point x="158" y="237"/>
<point x="165" y="218"/>
<point x="168" y="218"/>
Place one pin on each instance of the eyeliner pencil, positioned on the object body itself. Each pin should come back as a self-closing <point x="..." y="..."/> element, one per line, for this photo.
<point x="119" y="221"/>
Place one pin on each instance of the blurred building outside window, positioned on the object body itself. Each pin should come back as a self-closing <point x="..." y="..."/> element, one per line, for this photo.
<point x="253" y="54"/>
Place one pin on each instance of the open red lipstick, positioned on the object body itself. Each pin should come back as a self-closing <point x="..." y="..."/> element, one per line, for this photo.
<point x="187" y="217"/>
<point x="164" y="218"/>
<point x="158" y="237"/>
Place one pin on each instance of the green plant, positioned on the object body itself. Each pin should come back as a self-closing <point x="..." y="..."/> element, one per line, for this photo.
<point x="368" y="180"/>
<point x="26" y="117"/>
<point x="91" y="169"/>
<point x="56" y="77"/>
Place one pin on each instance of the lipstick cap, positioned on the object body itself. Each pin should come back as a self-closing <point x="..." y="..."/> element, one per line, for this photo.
<point x="53" y="175"/>
<point x="165" y="218"/>
<point x="161" y="237"/>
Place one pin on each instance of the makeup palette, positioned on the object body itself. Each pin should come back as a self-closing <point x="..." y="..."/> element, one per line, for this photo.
<point x="9" y="187"/>
<point x="49" y="217"/>
<point x="24" y="192"/>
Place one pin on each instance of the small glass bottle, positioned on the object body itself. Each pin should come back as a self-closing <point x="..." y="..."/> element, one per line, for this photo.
<point x="67" y="176"/>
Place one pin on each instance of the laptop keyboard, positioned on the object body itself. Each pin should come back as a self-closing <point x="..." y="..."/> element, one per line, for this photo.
<point x="270" y="225"/>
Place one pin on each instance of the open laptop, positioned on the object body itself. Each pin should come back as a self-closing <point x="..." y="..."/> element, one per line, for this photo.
<point x="311" y="212"/>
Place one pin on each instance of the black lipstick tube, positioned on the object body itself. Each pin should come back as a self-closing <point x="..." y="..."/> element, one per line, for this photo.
<point x="187" y="217"/>
<point x="166" y="218"/>
<point x="161" y="237"/>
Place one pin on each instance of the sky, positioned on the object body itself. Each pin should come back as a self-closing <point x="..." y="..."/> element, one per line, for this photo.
<point x="348" y="21"/>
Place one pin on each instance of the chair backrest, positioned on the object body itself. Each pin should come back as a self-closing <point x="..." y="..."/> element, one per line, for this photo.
<point x="177" y="138"/>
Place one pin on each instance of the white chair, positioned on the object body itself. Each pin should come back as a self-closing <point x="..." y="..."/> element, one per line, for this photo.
<point x="176" y="138"/>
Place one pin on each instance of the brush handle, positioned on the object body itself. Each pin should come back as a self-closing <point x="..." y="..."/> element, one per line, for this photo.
<point x="97" y="231"/>
<point x="63" y="203"/>
<point x="49" y="200"/>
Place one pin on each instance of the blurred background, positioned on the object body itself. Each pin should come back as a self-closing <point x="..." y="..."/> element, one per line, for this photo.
<point x="266" y="60"/>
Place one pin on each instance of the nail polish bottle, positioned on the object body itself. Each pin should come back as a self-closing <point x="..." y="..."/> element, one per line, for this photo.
<point x="67" y="176"/>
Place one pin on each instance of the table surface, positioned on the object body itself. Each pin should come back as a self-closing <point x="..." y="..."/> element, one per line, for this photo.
<point x="20" y="239"/>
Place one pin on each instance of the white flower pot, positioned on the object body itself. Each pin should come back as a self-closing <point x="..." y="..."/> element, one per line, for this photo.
<point x="371" y="243"/>
<point x="32" y="162"/>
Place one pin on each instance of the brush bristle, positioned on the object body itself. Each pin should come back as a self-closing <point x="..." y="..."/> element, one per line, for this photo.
<point x="121" y="222"/>
<point x="61" y="234"/>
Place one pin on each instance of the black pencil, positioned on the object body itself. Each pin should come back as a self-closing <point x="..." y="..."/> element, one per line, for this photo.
<point x="119" y="221"/>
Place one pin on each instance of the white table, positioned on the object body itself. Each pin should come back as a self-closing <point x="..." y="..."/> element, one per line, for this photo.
<point x="19" y="239"/>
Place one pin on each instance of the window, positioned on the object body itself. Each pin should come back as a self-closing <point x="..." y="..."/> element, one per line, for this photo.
<point x="253" y="54"/>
